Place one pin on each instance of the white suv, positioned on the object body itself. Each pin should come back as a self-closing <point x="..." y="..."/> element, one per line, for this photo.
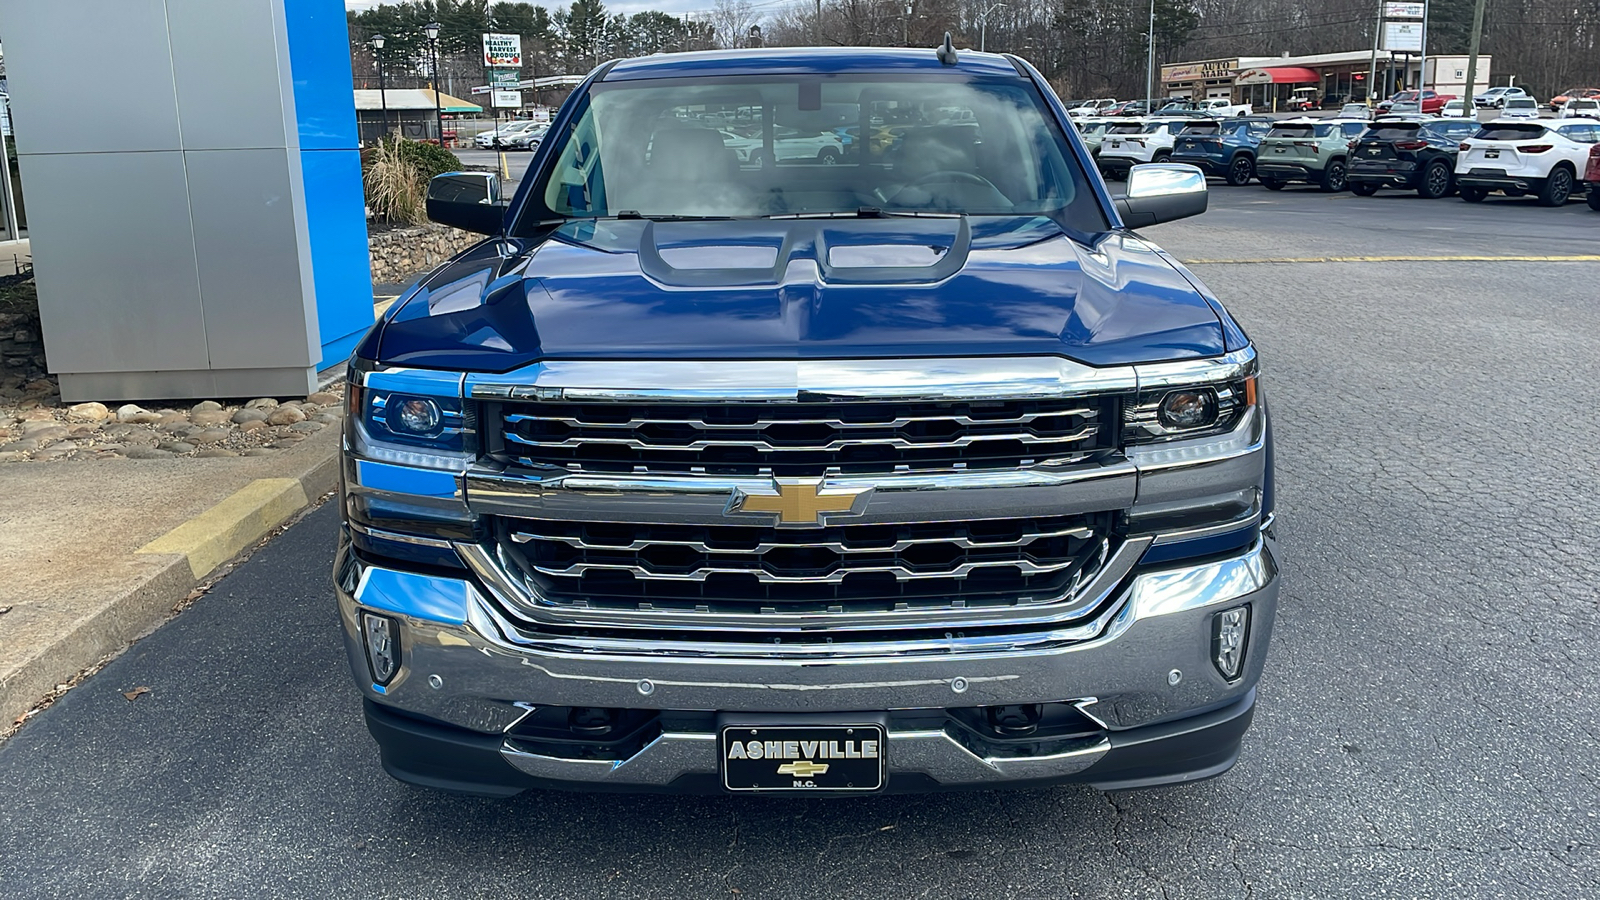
<point x="1523" y="157"/>
<point x="1126" y="144"/>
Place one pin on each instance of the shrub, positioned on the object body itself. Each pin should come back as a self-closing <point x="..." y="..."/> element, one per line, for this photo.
<point x="396" y="189"/>
<point x="430" y="159"/>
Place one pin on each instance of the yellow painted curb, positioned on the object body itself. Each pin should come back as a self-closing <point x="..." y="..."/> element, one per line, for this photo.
<point x="218" y="534"/>
<point x="1352" y="259"/>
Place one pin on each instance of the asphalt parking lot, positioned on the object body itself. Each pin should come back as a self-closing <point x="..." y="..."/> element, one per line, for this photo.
<point x="1428" y="721"/>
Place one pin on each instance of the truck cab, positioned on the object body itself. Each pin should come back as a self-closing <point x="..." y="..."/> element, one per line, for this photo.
<point x="919" y="469"/>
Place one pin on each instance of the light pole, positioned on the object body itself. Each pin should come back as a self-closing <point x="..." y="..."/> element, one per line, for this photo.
<point x="905" y="28"/>
<point x="755" y="36"/>
<point x="983" y="22"/>
<point x="383" y="87"/>
<point x="432" y="31"/>
<point x="1150" y="65"/>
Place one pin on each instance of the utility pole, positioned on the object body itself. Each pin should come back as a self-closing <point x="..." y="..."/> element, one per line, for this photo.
<point x="1372" y="70"/>
<point x="1472" y="52"/>
<point x="817" y="27"/>
<point x="1422" y="67"/>
<point x="905" y="28"/>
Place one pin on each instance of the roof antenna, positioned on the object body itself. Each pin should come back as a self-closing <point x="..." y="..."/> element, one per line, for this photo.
<point x="947" y="51"/>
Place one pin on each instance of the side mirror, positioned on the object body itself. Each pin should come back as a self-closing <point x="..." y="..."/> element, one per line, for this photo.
<point x="1162" y="192"/>
<point x="467" y="200"/>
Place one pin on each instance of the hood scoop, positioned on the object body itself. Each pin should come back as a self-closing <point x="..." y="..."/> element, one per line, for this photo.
<point x="757" y="253"/>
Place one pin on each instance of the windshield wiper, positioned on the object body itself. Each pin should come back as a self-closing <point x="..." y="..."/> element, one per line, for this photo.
<point x="868" y="212"/>
<point x="669" y="217"/>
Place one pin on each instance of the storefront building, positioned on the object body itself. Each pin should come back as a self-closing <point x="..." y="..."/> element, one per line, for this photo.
<point x="1329" y="80"/>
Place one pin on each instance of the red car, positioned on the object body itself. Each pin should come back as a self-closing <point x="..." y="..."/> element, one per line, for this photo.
<point x="1591" y="178"/>
<point x="1431" y="104"/>
<point x="1574" y="94"/>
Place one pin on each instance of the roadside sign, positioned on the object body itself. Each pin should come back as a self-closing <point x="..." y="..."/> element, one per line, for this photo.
<point x="1402" y="37"/>
<point x="502" y="50"/>
<point x="508" y="99"/>
<point x="1404" y="10"/>
<point x="504" y="79"/>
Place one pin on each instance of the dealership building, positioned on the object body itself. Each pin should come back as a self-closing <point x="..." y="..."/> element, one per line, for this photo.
<point x="1268" y="82"/>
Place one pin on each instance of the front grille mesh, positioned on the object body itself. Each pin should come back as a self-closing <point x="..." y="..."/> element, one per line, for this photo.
<point x="748" y="569"/>
<point x="802" y="439"/>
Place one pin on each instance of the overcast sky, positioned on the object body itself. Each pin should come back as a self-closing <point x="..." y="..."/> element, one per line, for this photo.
<point x="676" y="7"/>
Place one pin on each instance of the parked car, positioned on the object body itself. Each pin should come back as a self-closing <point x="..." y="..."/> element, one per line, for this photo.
<point x="1335" y="101"/>
<point x="1355" y="111"/>
<point x="1413" y="155"/>
<point x="1496" y="97"/>
<point x="1092" y="107"/>
<point x="528" y="139"/>
<point x="1580" y="108"/>
<point x="792" y="145"/>
<point x="1521" y="157"/>
<point x="1558" y="100"/>
<point x="1403" y="108"/>
<point x="1428" y="102"/>
<point x="1127" y="145"/>
<point x="1454" y="109"/>
<point x="1225" y="148"/>
<point x="1133" y="108"/>
<point x="1310" y="150"/>
<point x="1223" y="108"/>
<point x="504" y="133"/>
<point x="1520" y="108"/>
<point x="582" y="540"/>
<point x="1093" y="132"/>
<point x="1181" y="108"/>
<point x="1591" y="177"/>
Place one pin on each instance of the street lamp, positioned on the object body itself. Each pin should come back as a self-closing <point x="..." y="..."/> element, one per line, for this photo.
<point x="383" y="88"/>
<point x="755" y="36"/>
<point x="983" y="21"/>
<point x="432" y="31"/>
<point x="1150" y="65"/>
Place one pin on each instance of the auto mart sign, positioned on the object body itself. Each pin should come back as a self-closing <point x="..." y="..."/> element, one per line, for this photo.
<point x="1202" y="71"/>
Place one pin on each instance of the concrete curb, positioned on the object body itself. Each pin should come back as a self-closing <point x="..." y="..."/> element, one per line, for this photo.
<point x="196" y="548"/>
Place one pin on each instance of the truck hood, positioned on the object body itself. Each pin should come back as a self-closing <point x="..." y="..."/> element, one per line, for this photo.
<point x="803" y="288"/>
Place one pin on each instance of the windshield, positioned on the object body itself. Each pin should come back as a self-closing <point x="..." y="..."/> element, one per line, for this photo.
<point x="1520" y="103"/>
<point x="1299" y="130"/>
<point x="1510" y="132"/>
<point x="776" y="145"/>
<point x="1398" y="131"/>
<point x="1406" y="95"/>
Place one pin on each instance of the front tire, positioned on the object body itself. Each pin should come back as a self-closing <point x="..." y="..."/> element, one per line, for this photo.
<point x="1363" y="188"/>
<point x="1241" y="170"/>
<point x="1557" y="188"/>
<point x="828" y="156"/>
<point x="1474" y="194"/>
<point x="1435" y="181"/>
<point x="1332" y="180"/>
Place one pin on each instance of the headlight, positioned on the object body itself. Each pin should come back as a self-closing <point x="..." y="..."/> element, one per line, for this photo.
<point x="434" y="422"/>
<point x="1179" y="413"/>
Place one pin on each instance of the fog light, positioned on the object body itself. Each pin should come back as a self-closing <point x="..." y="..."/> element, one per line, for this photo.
<point x="1228" y="632"/>
<point x="383" y="646"/>
<point x="1188" y="409"/>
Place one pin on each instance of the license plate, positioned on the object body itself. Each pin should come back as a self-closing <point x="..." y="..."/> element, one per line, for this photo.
<point x="1373" y="151"/>
<point x="813" y="758"/>
<point x="1491" y="154"/>
<point x="1115" y="144"/>
<point x="1281" y="149"/>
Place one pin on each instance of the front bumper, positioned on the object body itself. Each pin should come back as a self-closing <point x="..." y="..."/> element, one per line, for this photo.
<point x="1161" y="711"/>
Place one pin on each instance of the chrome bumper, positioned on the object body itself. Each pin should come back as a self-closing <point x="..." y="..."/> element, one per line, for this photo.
<point x="1149" y="664"/>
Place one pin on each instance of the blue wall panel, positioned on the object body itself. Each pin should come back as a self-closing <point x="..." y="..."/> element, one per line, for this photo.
<point x="319" y="59"/>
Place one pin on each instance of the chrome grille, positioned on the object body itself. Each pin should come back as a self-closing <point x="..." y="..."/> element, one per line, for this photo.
<point x="801" y="439"/>
<point x="746" y="569"/>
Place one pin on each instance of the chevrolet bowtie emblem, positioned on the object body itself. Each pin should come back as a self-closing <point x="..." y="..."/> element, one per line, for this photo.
<point x="803" y="768"/>
<point x="799" y="501"/>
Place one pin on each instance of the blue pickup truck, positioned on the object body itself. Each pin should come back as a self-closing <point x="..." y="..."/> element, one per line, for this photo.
<point x="1225" y="148"/>
<point x="913" y="469"/>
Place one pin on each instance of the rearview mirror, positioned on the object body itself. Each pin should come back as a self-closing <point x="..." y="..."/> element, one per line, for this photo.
<point x="1162" y="192"/>
<point x="467" y="200"/>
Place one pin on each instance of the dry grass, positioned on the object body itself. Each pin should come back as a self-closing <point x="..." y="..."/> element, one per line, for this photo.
<point x="396" y="190"/>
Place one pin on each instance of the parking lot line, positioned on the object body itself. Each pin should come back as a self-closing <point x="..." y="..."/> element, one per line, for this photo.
<point x="1380" y="259"/>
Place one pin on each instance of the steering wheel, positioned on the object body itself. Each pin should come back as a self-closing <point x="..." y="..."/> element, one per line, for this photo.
<point x="951" y="175"/>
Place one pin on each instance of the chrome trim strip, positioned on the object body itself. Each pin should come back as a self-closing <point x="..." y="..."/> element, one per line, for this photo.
<point x="950" y="379"/>
<point x="703" y="500"/>
<point x="402" y="538"/>
<point x="898" y="443"/>
<point x="523" y="537"/>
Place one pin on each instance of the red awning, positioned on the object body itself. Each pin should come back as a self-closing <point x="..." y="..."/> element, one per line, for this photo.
<point x="1279" y="75"/>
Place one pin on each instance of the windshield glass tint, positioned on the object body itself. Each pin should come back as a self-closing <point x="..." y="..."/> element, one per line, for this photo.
<point x="1300" y="131"/>
<point x="1510" y="132"/>
<point x="751" y="146"/>
<point x="1520" y="103"/>
<point x="1398" y="132"/>
<point x="1201" y="128"/>
<point x="1128" y="128"/>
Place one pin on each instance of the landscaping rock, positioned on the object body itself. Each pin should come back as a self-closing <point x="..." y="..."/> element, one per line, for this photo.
<point x="205" y="406"/>
<point x="249" y="414"/>
<point x="136" y="415"/>
<point x="327" y="418"/>
<point x="88" y="412"/>
<point x="253" y="425"/>
<point x="176" y="446"/>
<point x="214" y="436"/>
<point x="286" y="415"/>
<point x="323" y="398"/>
<point x="285" y="444"/>
<point x="147" y="453"/>
<point x="307" y="427"/>
<point x="210" y="417"/>
<point x="262" y="403"/>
